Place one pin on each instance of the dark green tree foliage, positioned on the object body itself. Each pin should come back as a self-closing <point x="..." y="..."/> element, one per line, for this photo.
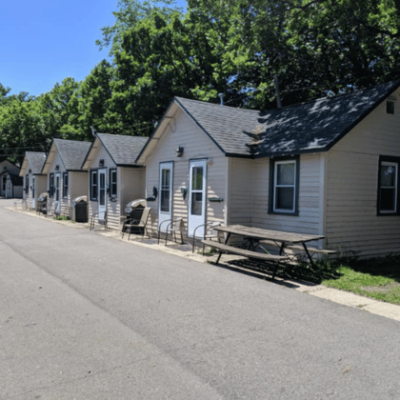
<point x="161" y="57"/>
<point x="316" y="47"/>
<point x="94" y="98"/>
<point x="237" y="47"/>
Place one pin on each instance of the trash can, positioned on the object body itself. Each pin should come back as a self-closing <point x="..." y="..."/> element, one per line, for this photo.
<point x="80" y="210"/>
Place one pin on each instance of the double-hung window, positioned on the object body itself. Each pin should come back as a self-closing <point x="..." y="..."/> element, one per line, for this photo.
<point x="284" y="186"/>
<point x="93" y="185"/>
<point x="65" y="184"/>
<point x="51" y="185"/>
<point x="388" y="186"/>
<point x="113" y="182"/>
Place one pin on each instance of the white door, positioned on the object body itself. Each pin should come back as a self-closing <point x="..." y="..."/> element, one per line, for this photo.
<point x="9" y="191"/>
<point x="197" y="197"/>
<point x="102" y="193"/>
<point x="165" y="203"/>
<point x="33" y="192"/>
<point x="3" y="186"/>
<point x="57" y="193"/>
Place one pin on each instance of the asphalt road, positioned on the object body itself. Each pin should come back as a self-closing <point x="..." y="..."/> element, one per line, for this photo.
<point x="88" y="317"/>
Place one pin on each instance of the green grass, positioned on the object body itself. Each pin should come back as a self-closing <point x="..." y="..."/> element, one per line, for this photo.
<point x="61" y="218"/>
<point x="378" y="278"/>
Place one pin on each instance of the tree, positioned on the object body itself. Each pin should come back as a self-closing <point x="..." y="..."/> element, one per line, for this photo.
<point x="94" y="98"/>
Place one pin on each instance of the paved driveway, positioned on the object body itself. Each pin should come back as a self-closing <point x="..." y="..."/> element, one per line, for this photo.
<point x="87" y="317"/>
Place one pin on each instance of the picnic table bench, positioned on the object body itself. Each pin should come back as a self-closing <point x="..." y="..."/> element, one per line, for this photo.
<point x="255" y="236"/>
<point x="246" y="253"/>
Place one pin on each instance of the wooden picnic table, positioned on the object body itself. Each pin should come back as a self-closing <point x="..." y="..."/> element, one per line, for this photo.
<point x="281" y="238"/>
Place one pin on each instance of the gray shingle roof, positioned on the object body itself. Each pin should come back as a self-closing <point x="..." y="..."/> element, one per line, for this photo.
<point x="122" y="149"/>
<point x="308" y="127"/>
<point x="72" y="152"/>
<point x="36" y="161"/>
<point x="225" y="125"/>
<point x="16" y="180"/>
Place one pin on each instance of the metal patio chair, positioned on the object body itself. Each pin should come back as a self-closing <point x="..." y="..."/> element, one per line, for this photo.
<point x="140" y="224"/>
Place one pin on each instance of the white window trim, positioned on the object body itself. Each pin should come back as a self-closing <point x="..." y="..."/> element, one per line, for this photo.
<point x="280" y="210"/>
<point x="396" y="166"/>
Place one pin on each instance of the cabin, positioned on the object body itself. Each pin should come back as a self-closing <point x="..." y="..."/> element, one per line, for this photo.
<point x="114" y="177"/>
<point x="65" y="178"/>
<point x="10" y="182"/>
<point x="327" y="167"/>
<point x="34" y="180"/>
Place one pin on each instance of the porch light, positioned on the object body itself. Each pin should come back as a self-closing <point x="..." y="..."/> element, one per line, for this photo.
<point x="179" y="151"/>
<point x="101" y="163"/>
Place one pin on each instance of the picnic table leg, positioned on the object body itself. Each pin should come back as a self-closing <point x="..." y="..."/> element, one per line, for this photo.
<point x="281" y="249"/>
<point x="308" y="254"/>
<point x="220" y="253"/>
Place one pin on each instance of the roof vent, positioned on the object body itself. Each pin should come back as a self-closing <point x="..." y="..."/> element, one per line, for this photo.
<point x="221" y="95"/>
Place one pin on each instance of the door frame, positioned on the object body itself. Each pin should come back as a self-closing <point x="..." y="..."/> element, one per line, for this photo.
<point x="102" y="209"/>
<point x="33" y="191"/>
<point x="163" y="216"/>
<point x="202" y="219"/>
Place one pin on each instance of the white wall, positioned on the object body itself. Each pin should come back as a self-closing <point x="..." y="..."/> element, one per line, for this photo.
<point x="352" y="183"/>
<point x="182" y="131"/>
<point x="64" y="201"/>
<point x="113" y="208"/>
<point x="249" y="196"/>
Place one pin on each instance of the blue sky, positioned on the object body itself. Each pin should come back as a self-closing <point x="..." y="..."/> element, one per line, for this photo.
<point x="44" y="41"/>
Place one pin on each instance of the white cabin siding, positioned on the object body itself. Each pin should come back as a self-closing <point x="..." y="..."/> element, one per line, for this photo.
<point x="10" y="167"/>
<point x="352" y="187"/>
<point x="113" y="207"/>
<point x="249" y="196"/>
<point x="197" y="145"/>
<point x="132" y="185"/>
<point x="78" y="185"/>
<point x="64" y="201"/>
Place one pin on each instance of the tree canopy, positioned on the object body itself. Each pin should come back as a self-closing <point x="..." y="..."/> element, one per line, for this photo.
<point x="237" y="47"/>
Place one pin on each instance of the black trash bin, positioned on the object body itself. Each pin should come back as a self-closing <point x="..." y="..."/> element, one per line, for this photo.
<point x="81" y="213"/>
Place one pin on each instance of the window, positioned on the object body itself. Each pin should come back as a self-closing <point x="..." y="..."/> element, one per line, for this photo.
<point x="284" y="186"/>
<point x="93" y="185"/>
<point x="113" y="182"/>
<point x="27" y="183"/>
<point x="165" y="190"/>
<point x="388" y="186"/>
<point x="51" y="185"/>
<point x="390" y="107"/>
<point x="65" y="184"/>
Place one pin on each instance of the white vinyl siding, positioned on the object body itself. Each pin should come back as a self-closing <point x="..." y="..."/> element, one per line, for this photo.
<point x="352" y="188"/>
<point x="249" y="196"/>
<point x="64" y="201"/>
<point x="113" y="207"/>
<point x="197" y="145"/>
<point x="130" y="186"/>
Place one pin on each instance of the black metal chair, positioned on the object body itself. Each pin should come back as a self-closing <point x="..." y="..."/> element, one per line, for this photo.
<point x="95" y="218"/>
<point x="134" y="223"/>
<point x="207" y="234"/>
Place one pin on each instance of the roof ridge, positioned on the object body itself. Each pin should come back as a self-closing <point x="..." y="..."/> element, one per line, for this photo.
<point x="337" y="96"/>
<point x="216" y="104"/>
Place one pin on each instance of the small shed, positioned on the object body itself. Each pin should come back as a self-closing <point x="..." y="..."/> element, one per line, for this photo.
<point x="7" y="167"/>
<point x="114" y="177"/>
<point x="34" y="180"/>
<point x="65" y="178"/>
